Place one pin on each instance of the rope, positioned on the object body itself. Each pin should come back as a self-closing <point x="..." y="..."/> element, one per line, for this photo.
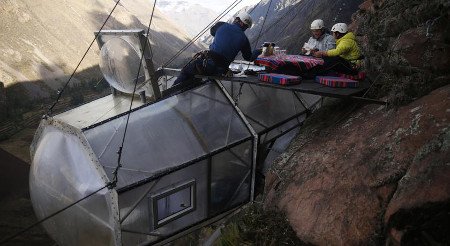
<point x="254" y="7"/>
<point x="226" y="11"/>
<point x="285" y="26"/>
<point x="262" y="26"/>
<point x="51" y="215"/>
<point x="238" y="96"/>
<point x="203" y="31"/>
<point x="430" y="24"/>
<point x="112" y="183"/>
<point x="119" y="152"/>
<point x="220" y="16"/>
<point x="50" y="110"/>
<point x="98" y="82"/>
<point x="338" y="13"/>
<point x="276" y="22"/>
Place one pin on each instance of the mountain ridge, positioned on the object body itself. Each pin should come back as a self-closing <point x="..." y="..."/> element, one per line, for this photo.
<point x="44" y="40"/>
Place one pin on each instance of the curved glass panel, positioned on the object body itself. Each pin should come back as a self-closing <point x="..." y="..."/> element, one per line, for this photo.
<point x="119" y="63"/>
<point x="167" y="134"/>
<point x="61" y="173"/>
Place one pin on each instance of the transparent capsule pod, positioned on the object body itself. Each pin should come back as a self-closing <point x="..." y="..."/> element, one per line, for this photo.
<point x="186" y="159"/>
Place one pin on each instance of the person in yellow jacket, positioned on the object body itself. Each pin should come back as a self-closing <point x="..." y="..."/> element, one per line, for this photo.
<point x="346" y="57"/>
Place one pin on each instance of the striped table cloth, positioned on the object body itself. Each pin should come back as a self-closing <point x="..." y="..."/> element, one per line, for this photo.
<point x="289" y="62"/>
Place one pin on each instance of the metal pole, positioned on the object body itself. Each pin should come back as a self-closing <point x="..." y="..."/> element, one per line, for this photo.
<point x="252" y="131"/>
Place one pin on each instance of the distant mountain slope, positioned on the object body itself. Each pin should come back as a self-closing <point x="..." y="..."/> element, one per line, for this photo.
<point x="287" y="23"/>
<point x="45" y="39"/>
<point x="191" y="17"/>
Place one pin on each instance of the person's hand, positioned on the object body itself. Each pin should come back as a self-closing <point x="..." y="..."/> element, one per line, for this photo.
<point x="303" y="50"/>
<point x="256" y="53"/>
<point x="229" y="73"/>
<point x="319" y="53"/>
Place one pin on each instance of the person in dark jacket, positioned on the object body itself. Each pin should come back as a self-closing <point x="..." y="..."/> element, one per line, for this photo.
<point x="229" y="40"/>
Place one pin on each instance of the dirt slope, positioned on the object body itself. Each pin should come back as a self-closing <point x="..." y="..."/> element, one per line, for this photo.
<point x="44" y="40"/>
<point x="16" y="212"/>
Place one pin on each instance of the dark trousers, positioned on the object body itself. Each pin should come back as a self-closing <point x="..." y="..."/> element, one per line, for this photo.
<point x="338" y="64"/>
<point x="331" y="66"/>
<point x="198" y="66"/>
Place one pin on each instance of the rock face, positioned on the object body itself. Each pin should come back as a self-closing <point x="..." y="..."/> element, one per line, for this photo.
<point x="377" y="175"/>
<point x="193" y="18"/>
<point x="288" y="21"/>
<point x="406" y="45"/>
<point x="380" y="175"/>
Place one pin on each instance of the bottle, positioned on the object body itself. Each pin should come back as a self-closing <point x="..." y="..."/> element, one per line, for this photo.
<point x="270" y="49"/>
<point x="266" y="49"/>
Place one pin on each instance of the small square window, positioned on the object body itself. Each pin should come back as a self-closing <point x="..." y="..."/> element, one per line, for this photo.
<point x="173" y="203"/>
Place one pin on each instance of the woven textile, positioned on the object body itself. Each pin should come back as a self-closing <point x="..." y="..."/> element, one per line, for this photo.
<point x="280" y="79"/>
<point x="359" y="76"/>
<point x="337" y="81"/>
<point x="282" y="62"/>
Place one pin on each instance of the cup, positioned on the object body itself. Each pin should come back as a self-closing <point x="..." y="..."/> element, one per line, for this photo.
<point x="276" y="50"/>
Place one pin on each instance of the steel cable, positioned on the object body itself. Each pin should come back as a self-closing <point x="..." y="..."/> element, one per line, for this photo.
<point x="264" y="22"/>
<point x="119" y="152"/>
<point x="110" y="184"/>
<point x="52" y="215"/>
<point x="220" y="16"/>
<point x="50" y="110"/>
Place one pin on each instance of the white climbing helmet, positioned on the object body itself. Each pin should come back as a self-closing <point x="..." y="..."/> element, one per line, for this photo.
<point x="317" y="24"/>
<point x="340" y="27"/>
<point x="245" y="18"/>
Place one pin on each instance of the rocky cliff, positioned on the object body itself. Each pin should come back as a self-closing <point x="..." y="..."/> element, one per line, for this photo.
<point x="366" y="174"/>
<point x="406" y="44"/>
<point x="288" y="21"/>
<point x="374" y="175"/>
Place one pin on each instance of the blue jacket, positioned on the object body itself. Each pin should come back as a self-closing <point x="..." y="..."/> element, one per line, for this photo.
<point x="229" y="39"/>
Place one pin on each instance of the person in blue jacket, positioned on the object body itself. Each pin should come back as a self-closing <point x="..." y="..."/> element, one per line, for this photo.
<point x="229" y="40"/>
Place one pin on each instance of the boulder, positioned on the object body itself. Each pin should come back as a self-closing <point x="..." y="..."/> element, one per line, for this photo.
<point x="346" y="184"/>
<point x="409" y="34"/>
<point x="420" y="207"/>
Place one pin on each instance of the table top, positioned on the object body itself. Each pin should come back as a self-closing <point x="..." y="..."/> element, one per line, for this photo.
<point x="306" y="86"/>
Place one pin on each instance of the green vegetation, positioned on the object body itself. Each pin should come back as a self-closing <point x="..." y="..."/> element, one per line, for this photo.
<point x="256" y="226"/>
<point x="22" y="111"/>
<point x="252" y="225"/>
<point x="17" y="103"/>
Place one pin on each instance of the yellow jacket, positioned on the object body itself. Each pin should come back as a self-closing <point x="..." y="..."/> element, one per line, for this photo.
<point x="346" y="47"/>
